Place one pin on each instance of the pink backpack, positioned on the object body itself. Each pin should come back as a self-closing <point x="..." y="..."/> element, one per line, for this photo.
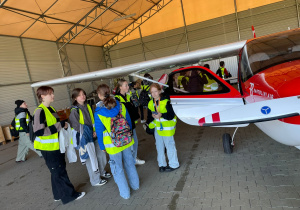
<point x="121" y="134"/>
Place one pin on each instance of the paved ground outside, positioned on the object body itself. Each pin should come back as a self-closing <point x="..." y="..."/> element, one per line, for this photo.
<point x="260" y="174"/>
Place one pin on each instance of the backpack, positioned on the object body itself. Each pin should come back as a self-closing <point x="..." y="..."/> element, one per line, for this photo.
<point x="13" y="130"/>
<point x="144" y="97"/>
<point x="135" y="98"/>
<point x="121" y="134"/>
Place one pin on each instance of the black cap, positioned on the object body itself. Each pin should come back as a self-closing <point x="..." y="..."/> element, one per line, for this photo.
<point x="19" y="103"/>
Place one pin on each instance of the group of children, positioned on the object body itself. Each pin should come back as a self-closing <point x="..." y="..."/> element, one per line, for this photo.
<point x="111" y="129"/>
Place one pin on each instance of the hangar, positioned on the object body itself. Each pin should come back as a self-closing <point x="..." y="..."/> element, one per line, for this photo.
<point x="42" y="40"/>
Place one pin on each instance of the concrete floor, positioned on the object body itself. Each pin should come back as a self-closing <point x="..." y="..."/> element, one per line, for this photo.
<point x="260" y="174"/>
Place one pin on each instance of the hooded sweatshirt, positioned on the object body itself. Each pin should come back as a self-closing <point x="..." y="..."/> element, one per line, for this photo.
<point x="21" y="113"/>
<point x="102" y="110"/>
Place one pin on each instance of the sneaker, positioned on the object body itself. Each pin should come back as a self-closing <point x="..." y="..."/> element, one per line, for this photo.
<point x="102" y="182"/>
<point x="169" y="169"/>
<point x="139" y="162"/>
<point x="106" y="175"/>
<point x="80" y="195"/>
<point x="143" y="121"/>
<point x="56" y="200"/>
<point x="162" y="169"/>
<point x="20" y="161"/>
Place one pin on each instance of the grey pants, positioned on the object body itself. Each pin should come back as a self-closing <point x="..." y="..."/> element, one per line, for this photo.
<point x="24" y="145"/>
<point x="102" y="161"/>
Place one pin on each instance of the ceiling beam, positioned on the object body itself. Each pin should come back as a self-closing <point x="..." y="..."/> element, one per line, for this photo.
<point x="88" y="19"/>
<point x="135" y="24"/>
<point x="20" y="11"/>
<point x="2" y="3"/>
<point x="41" y="16"/>
<point x="121" y="14"/>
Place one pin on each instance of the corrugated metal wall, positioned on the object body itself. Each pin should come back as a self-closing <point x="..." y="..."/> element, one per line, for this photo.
<point x="43" y="63"/>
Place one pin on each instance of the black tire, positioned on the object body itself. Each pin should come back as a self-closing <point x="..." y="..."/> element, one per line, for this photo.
<point x="228" y="148"/>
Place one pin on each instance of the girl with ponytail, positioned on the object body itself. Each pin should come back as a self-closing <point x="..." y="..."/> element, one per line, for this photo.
<point x="107" y="110"/>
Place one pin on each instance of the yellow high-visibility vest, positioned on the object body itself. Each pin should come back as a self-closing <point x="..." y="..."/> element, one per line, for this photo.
<point x="81" y="119"/>
<point x="121" y="99"/>
<point x="17" y="122"/>
<point x="109" y="146"/>
<point x="207" y="87"/>
<point x="169" y="126"/>
<point x="180" y="81"/>
<point x="47" y="143"/>
<point x="222" y="72"/>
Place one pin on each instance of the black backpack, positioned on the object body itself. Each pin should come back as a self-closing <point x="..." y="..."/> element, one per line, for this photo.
<point x="13" y="130"/>
<point x="135" y="98"/>
<point x="144" y="97"/>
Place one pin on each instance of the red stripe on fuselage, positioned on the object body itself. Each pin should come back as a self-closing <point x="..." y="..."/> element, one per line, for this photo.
<point x="216" y="117"/>
<point x="201" y="121"/>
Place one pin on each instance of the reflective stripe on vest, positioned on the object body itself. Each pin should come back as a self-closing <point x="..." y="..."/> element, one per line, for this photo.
<point x="207" y="87"/>
<point x="17" y="122"/>
<point x="47" y="143"/>
<point x="169" y="126"/>
<point x="109" y="146"/>
<point x="81" y="118"/>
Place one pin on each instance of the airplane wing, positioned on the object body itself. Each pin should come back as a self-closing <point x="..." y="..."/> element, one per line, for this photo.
<point x="254" y="112"/>
<point x="160" y="63"/>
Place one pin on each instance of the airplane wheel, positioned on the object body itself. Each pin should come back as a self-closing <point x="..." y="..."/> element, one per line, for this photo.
<point x="228" y="148"/>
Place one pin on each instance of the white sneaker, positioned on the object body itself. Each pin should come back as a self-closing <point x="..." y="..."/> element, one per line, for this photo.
<point x="102" y="182"/>
<point x="57" y="200"/>
<point x="143" y="121"/>
<point x="139" y="162"/>
<point x="80" y="196"/>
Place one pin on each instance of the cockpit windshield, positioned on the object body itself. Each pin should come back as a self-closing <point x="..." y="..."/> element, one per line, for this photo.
<point x="266" y="52"/>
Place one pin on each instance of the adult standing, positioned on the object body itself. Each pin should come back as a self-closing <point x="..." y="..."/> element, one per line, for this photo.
<point x="82" y="115"/>
<point x="107" y="110"/>
<point x="46" y="125"/>
<point x="22" y="120"/>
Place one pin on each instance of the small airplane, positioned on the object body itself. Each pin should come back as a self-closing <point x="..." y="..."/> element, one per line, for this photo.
<point x="268" y="92"/>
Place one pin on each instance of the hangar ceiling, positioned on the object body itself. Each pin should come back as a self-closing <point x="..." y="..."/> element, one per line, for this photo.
<point x="102" y="22"/>
<point x="89" y="22"/>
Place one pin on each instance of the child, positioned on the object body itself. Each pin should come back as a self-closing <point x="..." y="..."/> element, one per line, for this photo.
<point x="81" y="114"/>
<point x="107" y="110"/>
<point x="162" y="118"/>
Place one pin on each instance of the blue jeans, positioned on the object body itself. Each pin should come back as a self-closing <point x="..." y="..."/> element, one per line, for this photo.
<point x="168" y="142"/>
<point x="134" y="147"/>
<point x="116" y="165"/>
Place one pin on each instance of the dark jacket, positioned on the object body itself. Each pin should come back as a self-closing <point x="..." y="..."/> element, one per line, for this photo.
<point x="219" y="73"/>
<point x="22" y="112"/>
<point x="196" y="82"/>
<point x="134" y="115"/>
<point x="168" y="116"/>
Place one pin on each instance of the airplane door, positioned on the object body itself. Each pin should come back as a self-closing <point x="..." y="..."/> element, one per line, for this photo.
<point x="197" y="92"/>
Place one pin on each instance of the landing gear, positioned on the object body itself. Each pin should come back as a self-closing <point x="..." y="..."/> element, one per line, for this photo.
<point x="228" y="147"/>
<point x="228" y="142"/>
